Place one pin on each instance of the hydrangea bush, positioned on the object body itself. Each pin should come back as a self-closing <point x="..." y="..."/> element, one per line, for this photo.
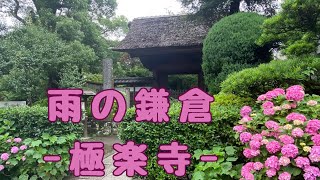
<point x="282" y="138"/>
<point x="12" y="153"/>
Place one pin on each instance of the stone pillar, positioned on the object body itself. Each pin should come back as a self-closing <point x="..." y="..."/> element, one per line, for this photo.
<point x="107" y="74"/>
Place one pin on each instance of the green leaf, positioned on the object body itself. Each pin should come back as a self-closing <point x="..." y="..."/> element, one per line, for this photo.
<point x="226" y="167"/>
<point x="198" y="175"/>
<point x="231" y="159"/>
<point x="230" y="150"/>
<point x="34" y="177"/>
<point x="24" y="177"/>
<point x="36" y="143"/>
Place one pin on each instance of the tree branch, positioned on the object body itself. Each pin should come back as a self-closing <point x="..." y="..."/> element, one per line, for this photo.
<point x="15" y="11"/>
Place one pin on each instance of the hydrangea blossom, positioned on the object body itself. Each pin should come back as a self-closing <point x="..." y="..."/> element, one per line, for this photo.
<point x="316" y="140"/>
<point x="245" y="111"/>
<point x="285" y="139"/>
<point x="290" y="150"/>
<point x="272" y="162"/>
<point x="313" y="127"/>
<point x="285" y="176"/>
<point x="295" y="93"/>
<point x="245" y="137"/>
<point x="297" y="132"/>
<point x="296" y="116"/>
<point x="4" y="156"/>
<point x="302" y="162"/>
<point x="314" y="155"/>
<point x="284" y="161"/>
<point x="273" y="147"/>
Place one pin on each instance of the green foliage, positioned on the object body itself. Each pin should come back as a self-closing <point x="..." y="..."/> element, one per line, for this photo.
<point x="32" y="122"/>
<point x="230" y="46"/>
<point x="216" y="9"/>
<point x="255" y="81"/>
<point x="224" y="168"/>
<point x="296" y="28"/>
<point x="196" y="136"/>
<point x="182" y="82"/>
<point x="42" y="138"/>
<point x="33" y="59"/>
<point x="47" y="144"/>
<point x="71" y="77"/>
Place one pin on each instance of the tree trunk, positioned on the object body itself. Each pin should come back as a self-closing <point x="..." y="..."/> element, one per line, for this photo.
<point x="235" y="6"/>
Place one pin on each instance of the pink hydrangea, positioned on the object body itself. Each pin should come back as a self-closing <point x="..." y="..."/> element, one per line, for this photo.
<point x="262" y="97"/>
<point x="273" y="147"/>
<point x="295" y="93"/>
<point x="17" y="140"/>
<point x="257" y="137"/>
<point x="267" y="105"/>
<point x="9" y="141"/>
<point x="311" y="173"/>
<point x="257" y="166"/>
<point x="23" y="147"/>
<point x="285" y="139"/>
<point x="247" y="153"/>
<point x="296" y="116"/>
<point x="272" y="162"/>
<point x="284" y="176"/>
<point x="314" y="155"/>
<point x="245" y="119"/>
<point x="4" y="156"/>
<point x="297" y="132"/>
<point x="313" y="127"/>
<point x="239" y="128"/>
<point x="269" y="111"/>
<point x="1" y="168"/>
<point x="245" y="137"/>
<point x="316" y="140"/>
<point x="271" y="94"/>
<point x="279" y="91"/>
<point x="271" y="172"/>
<point x="272" y="125"/>
<point x="245" y="111"/>
<point x="284" y="161"/>
<point x="255" y="145"/>
<point x="302" y="162"/>
<point x="246" y="171"/>
<point x="23" y="158"/>
<point x="14" y="150"/>
<point x="290" y="150"/>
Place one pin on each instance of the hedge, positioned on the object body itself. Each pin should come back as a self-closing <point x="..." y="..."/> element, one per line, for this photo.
<point x="278" y="73"/>
<point x="196" y="136"/>
<point x="32" y="122"/>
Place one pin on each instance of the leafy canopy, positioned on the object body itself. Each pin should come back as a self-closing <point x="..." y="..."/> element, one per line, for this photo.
<point x="215" y="9"/>
<point x="296" y="29"/>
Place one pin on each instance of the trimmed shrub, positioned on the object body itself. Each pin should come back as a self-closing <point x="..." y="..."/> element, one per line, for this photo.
<point x="230" y="46"/>
<point x="30" y="122"/>
<point x="255" y="81"/>
<point x="196" y="136"/>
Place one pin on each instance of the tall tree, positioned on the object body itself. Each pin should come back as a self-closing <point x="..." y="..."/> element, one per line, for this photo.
<point x="296" y="29"/>
<point x="215" y="9"/>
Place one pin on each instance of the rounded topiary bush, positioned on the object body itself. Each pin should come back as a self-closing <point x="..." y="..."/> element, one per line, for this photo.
<point x="231" y="46"/>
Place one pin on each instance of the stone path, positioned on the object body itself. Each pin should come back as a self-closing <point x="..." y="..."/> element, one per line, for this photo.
<point x="108" y="161"/>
